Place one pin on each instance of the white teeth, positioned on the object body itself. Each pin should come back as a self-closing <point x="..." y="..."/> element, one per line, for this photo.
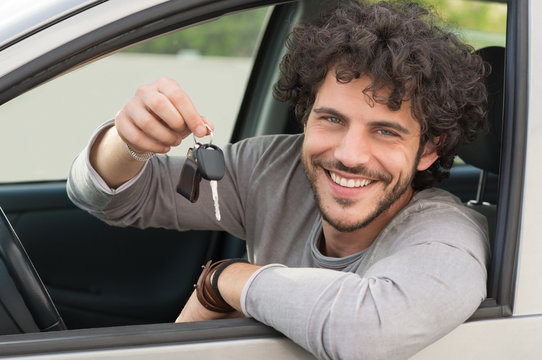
<point x="350" y="183"/>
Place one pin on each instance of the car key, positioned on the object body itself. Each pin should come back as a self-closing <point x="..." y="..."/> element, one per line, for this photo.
<point x="188" y="185"/>
<point x="205" y="161"/>
<point x="210" y="160"/>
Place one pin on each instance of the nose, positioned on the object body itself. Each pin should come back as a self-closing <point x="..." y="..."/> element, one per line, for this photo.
<point x="354" y="148"/>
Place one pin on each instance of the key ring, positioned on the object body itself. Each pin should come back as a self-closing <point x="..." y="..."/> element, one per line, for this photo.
<point x="212" y="135"/>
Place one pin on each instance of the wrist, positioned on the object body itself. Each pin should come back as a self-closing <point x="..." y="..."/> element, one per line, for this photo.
<point x="232" y="281"/>
<point x="108" y="156"/>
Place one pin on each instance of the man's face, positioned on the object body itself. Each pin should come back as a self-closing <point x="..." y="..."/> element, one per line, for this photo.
<point x="359" y="156"/>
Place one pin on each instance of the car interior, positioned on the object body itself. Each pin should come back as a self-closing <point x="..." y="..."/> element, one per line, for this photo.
<point x="61" y="268"/>
<point x="484" y="153"/>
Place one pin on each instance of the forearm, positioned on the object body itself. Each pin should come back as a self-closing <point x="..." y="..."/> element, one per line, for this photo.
<point x="232" y="281"/>
<point x="334" y="315"/>
<point x="150" y="199"/>
<point x="130" y="204"/>
<point x="394" y="311"/>
<point x="111" y="160"/>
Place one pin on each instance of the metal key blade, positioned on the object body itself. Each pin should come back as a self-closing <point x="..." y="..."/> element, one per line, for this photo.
<point x="214" y="191"/>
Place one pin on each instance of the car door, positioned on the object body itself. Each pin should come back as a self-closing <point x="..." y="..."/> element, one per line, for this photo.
<point x="117" y="276"/>
<point x="99" y="275"/>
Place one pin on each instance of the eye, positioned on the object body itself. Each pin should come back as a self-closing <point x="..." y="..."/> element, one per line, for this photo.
<point x="333" y="120"/>
<point x="386" y="132"/>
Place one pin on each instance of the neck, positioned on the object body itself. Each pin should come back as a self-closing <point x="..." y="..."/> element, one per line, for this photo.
<point x="340" y="244"/>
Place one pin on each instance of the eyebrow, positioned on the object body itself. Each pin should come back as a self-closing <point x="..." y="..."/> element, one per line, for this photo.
<point x="379" y="123"/>
<point x="330" y="111"/>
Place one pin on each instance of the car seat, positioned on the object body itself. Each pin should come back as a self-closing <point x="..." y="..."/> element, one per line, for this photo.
<point x="485" y="152"/>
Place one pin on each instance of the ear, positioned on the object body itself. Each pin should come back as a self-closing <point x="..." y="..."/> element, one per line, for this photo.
<point x="429" y="155"/>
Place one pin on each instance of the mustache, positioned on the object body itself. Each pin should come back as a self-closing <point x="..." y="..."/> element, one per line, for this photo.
<point x="361" y="170"/>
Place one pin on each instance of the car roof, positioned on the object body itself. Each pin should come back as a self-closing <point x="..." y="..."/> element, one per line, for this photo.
<point x="24" y="17"/>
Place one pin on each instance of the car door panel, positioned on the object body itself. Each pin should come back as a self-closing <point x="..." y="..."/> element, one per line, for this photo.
<point x="100" y="275"/>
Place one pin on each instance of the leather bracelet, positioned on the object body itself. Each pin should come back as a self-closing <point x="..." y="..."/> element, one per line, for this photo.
<point x="207" y="289"/>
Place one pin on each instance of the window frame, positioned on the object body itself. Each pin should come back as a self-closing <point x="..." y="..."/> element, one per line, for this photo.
<point x="106" y="40"/>
<point x="173" y="16"/>
<point x="502" y="284"/>
<point x="502" y="272"/>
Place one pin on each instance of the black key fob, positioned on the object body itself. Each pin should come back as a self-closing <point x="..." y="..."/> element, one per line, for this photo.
<point x="210" y="161"/>
<point x="189" y="181"/>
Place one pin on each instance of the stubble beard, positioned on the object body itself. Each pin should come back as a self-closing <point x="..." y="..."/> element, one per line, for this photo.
<point x="384" y="204"/>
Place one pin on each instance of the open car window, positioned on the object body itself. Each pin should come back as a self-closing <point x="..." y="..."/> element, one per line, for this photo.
<point x="211" y="62"/>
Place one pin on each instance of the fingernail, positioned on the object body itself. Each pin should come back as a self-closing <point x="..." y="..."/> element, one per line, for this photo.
<point x="201" y="131"/>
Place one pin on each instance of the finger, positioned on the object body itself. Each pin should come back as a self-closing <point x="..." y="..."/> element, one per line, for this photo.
<point x="137" y="139"/>
<point x="209" y="127"/>
<point x="147" y="121"/>
<point x="183" y="104"/>
<point x="185" y="133"/>
<point x="159" y="105"/>
<point x="158" y="102"/>
<point x="206" y="121"/>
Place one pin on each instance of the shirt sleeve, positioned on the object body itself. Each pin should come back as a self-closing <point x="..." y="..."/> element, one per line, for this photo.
<point x="150" y="198"/>
<point x="403" y="303"/>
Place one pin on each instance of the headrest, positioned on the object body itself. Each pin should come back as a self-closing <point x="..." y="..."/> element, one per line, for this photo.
<point x="485" y="152"/>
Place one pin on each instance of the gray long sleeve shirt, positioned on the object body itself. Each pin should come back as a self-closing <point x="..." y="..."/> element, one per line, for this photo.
<point x="423" y="275"/>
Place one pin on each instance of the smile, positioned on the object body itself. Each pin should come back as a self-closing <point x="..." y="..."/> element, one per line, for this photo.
<point x="349" y="183"/>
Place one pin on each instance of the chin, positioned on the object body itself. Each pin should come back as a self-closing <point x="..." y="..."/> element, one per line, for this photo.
<point x="348" y="226"/>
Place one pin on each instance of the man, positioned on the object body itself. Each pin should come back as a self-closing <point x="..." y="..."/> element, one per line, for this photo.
<point x="377" y="264"/>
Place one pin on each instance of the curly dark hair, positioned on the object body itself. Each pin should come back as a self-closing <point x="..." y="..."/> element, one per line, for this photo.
<point x="402" y="49"/>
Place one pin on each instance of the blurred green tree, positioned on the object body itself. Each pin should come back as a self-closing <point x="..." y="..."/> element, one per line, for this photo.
<point x="232" y="35"/>
<point x="477" y="22"/>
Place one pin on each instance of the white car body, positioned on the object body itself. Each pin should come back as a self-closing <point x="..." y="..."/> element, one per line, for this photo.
<point x="514" y="334"/>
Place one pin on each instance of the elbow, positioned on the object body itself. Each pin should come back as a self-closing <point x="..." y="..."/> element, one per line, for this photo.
<point x="364" y="342"/>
